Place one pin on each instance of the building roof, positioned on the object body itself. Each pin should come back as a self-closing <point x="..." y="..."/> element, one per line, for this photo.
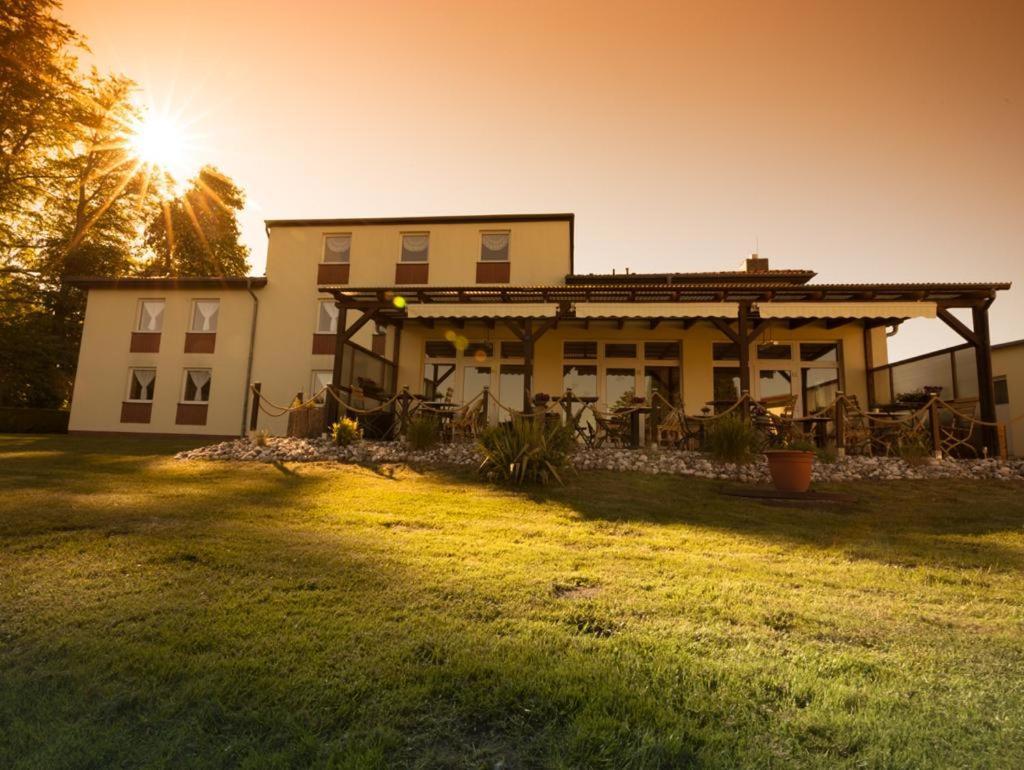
<point x="196" y="282"/>
<point x="951" y="349"/>
<point x="713" y="276"/>
<point x="421" y="220"/>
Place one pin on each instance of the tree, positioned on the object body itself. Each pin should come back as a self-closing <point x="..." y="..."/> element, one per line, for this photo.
<point x="197" y="232"/>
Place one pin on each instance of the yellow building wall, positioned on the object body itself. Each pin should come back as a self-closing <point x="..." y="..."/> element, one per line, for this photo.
<point x="1009" y="362"/>
<point x="104" y="360"/>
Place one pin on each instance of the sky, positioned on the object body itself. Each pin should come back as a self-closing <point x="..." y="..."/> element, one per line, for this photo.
<point x="869" y="141"/>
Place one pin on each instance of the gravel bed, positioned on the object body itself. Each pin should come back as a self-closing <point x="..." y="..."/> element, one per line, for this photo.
<point x="672" y="461"/>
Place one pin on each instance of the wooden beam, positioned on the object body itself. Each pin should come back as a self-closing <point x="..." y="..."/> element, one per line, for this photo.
<point x="743" y="339"/>
<point x="654" y="323"/>
<point x="959" y="327"/>
<point x="869" y="362"/>
<point x="725" y="329"/>
<point x="757" y="331"/>
<point x="986" y="382"/>
<point x="515" y="328"/>
<point x="835" y="323"/>
<point x="341" y="336"/>
<point x="796" y="323"/>
<point x="688" y="323"/>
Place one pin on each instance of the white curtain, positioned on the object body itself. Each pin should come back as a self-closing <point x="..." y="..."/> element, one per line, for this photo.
<point x="414" y="248"/>
<point x="495" y="241"/>
<point x="206" y="316"/>
<point x="338" y="247"/>
<point x="200" y="378"/>
<point x="152" y="316"/>
<point x="328" y="318"/>
<point x="144" y="378"/>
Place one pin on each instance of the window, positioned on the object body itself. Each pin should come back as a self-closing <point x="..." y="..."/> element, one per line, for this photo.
<point x="1002" y="391"/>
<point x="819" y="387"/>
<point x="580" y="350"/>
<point x="725" y="351"/>
<point x="479" y="350"/>
<point x="440" y="349"/>
<point x="774" y="351"/>
<point x="513" y="350"/>
<point x="474" y="380"/>
<point x="415" y="248"/>
<point x="197" y="386"/>
<point x="204" y="315"/>
<point x="775" y="383"/>
<point x="494" y="247"/>
<point x="726" y="384"/>
<point x="619" y="387"/>
<point x="337" y="249"/>
<point x="511" y="385"/>
<point x="151" y="315"/>
<point x="619" y="350"/>
<point x="321" y="379"/>
<point x="819" y="352"/>
<point x="661" y="351"/>
<point x="327" y="318"/>
<point x="141" y="384"/>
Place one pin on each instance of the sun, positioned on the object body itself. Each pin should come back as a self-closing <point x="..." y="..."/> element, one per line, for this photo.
<point x="159" y="140"/>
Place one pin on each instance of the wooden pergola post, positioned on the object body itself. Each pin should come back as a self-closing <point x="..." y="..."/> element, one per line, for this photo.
<point x="980" y="339"/>
<point x="743" y="337"/>
<point x="341" y="336"/>
<point x="528" y="334"/>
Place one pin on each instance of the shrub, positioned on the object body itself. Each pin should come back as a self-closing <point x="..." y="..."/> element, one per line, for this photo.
<point x="345" y="431"/>
<point x="826" y="455"/>
<point x="526" y="451"/>
<point x="30" y="420"/>
<point x="732" y="440"/>
<point x="914" y="449"/>
<point x="423" y="432"/>
<point x="259" y="438"/>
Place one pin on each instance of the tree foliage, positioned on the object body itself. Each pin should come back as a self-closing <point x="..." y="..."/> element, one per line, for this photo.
<point x="76" y="201"/>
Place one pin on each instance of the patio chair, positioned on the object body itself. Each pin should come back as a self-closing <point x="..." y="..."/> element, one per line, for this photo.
<point x="956" y="427"/>
<point x="776" y="418"/>
<point x="612" y="428"/>
<point x="859" y="438"/>
<point x="466" y="421"/>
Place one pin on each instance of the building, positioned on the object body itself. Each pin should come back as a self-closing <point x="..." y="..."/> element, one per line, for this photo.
<point x="448" y="305"/>
<point x="952" y="370"/>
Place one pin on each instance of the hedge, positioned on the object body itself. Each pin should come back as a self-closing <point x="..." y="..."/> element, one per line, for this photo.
<point x="16" y="420"/>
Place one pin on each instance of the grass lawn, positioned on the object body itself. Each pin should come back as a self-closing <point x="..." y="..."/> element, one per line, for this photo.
<point x="168" y="614"/>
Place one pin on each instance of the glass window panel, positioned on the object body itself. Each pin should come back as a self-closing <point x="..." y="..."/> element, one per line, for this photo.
<point x="511" y="382"/>
<point x="1002" y="391"/>
<point x="440" y="349"/>
<point x="415" y="248"/>
<point x="321" y="379"/>
<point x="966" y="374"/>
<point x="479" y="350"/>
<point x="819" y="388"/>
<point x="774" y="384"/>
<point x="151" y="315"/>
<point x="437" y="378"/>
<point x="142" y="385"/>
<point x="577" y="350"/>
<point x="474" y="379"/>
<point x="494" y="247"/>
<point x="204" y="315"/>
<point x="327" y="320"/>
<point x="337" y="248"/>
<point x="725" y="351"/>
<point x="774" y="351"/>
<point x="661" y="351"/>
<point x="197" y="385"/>
<point x="820" y="352"/>
<point x="726" y="386"/>
<point x="513" y="350"/>
<point x="663" y="381"/>
<point x="619" y="350"/>
<point x="933" y="371"/>
<point x="581" y="379"/>
<point x="619" y="387"/>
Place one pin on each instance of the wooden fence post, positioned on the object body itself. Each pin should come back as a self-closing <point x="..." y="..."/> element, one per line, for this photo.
<point x="840" y="428"/>
<point x="403" y="410"/>
<point x="254" y="412"/>
<point x="487" y="399"/>
<point x="933" y="419"/>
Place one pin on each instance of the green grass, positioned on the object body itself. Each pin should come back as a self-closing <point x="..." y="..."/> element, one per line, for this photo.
<point x="167" y="614"/>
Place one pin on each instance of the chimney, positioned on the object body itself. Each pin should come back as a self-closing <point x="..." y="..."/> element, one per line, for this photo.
<point x="756" y="264"/>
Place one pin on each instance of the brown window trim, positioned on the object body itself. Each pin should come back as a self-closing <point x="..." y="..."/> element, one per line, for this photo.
<point x="323" y="344"/>
<point x="191" y="414"/>
<point x="200" y="342"/>
<point x="145" y="342"/>
<point x="136" y="411"/>
<point x="412" y="272"/>
<point x="332" y="272"/>
<point x="493" y="271"/>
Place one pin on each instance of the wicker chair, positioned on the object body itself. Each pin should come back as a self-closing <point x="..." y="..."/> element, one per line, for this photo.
<point x="776" y="418"/>
<point x="465" y="422"/>
<point x="613" y="429"/>
<point x="956" y="427"/>
<point x="859" y="437"/>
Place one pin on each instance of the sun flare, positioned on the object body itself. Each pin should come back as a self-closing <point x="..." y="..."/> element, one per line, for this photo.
<point x="160" y="140"/>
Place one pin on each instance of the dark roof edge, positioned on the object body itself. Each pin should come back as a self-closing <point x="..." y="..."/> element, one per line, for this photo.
<point x="421" y="220"/>
<point x="195" y="282"/>
<point x="726" y="276"/>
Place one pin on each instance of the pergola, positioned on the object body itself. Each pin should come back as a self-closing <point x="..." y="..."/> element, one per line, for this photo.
<point x="740" y="310"/>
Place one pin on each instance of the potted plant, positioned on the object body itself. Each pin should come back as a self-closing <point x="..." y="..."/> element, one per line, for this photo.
<point x="790" y="465"/>
<point x="541" y="399"/>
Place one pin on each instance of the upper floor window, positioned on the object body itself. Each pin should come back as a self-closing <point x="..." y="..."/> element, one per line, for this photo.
<point x="204" y="315"/>
<point x="327" y="317"/>
<point x="151" y="315"/>
<point x="141" y="384"/>
<point x="415" y="247"/>
<point x="197" y="386"/>
<point x="337" y="249"/>
<point x="494" y="247"/>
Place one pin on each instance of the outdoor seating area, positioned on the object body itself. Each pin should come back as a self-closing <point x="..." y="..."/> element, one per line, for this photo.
<point x="932" y="427"/>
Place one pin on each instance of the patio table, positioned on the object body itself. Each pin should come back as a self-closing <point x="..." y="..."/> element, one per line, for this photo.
<point x="816" y="426"/>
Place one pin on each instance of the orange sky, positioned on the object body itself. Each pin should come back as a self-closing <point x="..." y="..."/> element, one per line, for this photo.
<point x="868" y="141"/>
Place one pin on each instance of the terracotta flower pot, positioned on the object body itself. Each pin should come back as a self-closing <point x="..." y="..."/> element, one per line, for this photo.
<point x="790" y="469"/>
